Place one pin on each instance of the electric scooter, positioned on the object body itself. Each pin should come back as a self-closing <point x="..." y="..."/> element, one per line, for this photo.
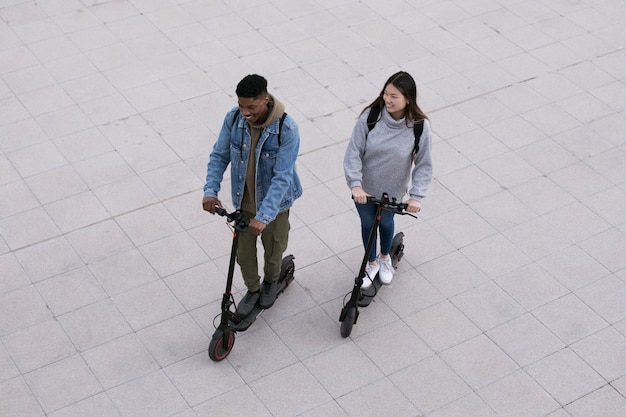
<point x="230" y="321"/>
<point x="363" y="297"/>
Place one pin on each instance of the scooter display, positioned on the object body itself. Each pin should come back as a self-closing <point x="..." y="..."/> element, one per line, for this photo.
<point x="230" y="321"/>
<point x="363" y="297"/>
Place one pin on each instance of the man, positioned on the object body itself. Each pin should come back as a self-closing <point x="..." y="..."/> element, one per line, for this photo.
<point x="261" y="143"/>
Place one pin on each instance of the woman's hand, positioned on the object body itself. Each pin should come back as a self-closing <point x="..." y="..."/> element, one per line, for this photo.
<point x="413" y="206"/>
<point x="359" y="195"/>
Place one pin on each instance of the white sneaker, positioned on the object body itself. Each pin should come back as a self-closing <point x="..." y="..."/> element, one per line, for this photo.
<point x="370" y="274"/>
<point x="386" y="269"/>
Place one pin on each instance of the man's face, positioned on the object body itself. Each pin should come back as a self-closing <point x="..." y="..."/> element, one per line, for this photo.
<point x="255" y="110"/>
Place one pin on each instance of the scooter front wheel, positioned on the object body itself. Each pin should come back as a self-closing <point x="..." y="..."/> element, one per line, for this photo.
<point x="218" y="350"/>
<point x="348" y="321"/>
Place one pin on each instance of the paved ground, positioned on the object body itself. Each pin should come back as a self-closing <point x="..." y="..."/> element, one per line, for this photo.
<point x="510" y="300"/>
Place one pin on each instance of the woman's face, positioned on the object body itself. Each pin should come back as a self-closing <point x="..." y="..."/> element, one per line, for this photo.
<point x="395" y="101"/>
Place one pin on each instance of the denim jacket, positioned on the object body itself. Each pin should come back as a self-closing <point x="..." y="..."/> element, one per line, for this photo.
<point x="277" y="183"/>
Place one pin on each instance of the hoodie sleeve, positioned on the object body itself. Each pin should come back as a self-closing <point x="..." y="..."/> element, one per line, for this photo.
<point x="423" y="168"/>
<point x="352" y="160"/>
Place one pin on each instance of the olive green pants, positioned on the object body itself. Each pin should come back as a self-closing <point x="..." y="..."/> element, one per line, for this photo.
<point x="275" y="238"/>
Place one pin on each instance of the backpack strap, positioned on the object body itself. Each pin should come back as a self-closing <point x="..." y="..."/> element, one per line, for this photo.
<point x="372" y="117"/>
<point x="280" y="123"/>
<point x="418" y="127"/>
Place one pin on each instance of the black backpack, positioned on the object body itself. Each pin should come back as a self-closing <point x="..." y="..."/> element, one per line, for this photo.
<point x="280" y="123"/>
<point x="418" y="127"/>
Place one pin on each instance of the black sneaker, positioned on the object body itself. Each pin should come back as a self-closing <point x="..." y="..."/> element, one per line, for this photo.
<point x="268" y="294"/>
<point x="247" y="303"/>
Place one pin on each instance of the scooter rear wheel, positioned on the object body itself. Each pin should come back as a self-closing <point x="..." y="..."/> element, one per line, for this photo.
<point x="397" y="248"/>
<point x="217" y="350"/>
<point x="287" y="268"/>
<point x="348" y="321"/>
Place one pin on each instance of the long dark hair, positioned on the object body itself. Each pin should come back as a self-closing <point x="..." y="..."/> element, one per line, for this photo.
<point x="406" y="85"/>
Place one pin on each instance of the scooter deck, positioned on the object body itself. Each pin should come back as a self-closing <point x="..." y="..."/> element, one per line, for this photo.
<point x="368" y="294"/>
<point x="257" y="309"/>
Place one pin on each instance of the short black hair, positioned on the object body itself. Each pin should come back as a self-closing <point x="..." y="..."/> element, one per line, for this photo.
<point x="251" y="86"/>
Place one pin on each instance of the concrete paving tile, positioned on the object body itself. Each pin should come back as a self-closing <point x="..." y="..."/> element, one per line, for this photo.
<point x="462" y="227"/>
<point x="64" y="122"/>
<point x="565" y="376"/>
<point x="451" y="159"/>
<point x="99" y="241"/>
<point x="123" y="272"/>
<point x="570" y="319"/>
<point x="56" y="184"/>
<point x="148" y="305"/>
<point x="335" y="369"/>
<point x="124" y="196"/>
<point x="13" y="276"/>
<point x="173" y="254"/>
<point x="195" y="378"/>
<point x="77" y="211"/>
<point x="239" y="400"/>
<point x="603" y="402"/>
<point x="409" y="292"/>
<point x="38" y="346"/>
<point x="477" y="145"/>
<point x="48" y="258"/>
<point x="18" y="400"/>
<point x="84" y="145"/>
<point x="430" y="384"/>
<point x="393" y="347"/>
<point x="496" y="255"/>
<point x="525" y="339"/>
<point x="16" y="196"/>
<point x="195" y="286"/>
<point x="573" y="267"/>
<point x="139" y="224"/>
<point x="605" y="352"/>
<point x="470" y="404"/>
<point x="325" y="287"/>
<point x="518" y="395"/>
<point x="366" y="401"/>
<point x="607" y="248"/>
<point x="120" y="361"/>
<point x="470" y="184"/>
<point x="607" y="204"/>
<point x="28" y="227"/>
<point x="71" y="290"/>
<point x="302" y="394"/>
<point x="151" y="395"/>
<point x="427" y="324"/>
<point x="606" y="296"/>
<point x="99" y="405"/>
<point x="173" y="340"/>
<point x="479" y="362"/>
<point x="452" y="274"/>
<point x="22" y="308"/>
<point x="94" y="325"/>
<point x="309" y="333"/>
<point x="531" y="286"/>
<point x="62" y="383"/>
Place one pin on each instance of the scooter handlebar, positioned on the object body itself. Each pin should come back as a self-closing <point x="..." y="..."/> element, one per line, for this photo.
<point x="235" y="216"/>
<point x="386" y="202"/>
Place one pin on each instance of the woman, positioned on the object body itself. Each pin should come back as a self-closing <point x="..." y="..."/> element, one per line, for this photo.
<point x="383" y="159"/>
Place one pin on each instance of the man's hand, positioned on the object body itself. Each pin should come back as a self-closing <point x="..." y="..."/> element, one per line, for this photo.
<point x="256" y="227"/>
<point x="413" y="206"/>
<point x="209" y="203"/>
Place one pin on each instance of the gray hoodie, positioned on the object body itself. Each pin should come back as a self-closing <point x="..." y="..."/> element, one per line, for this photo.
<point x="380" y="160"/>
